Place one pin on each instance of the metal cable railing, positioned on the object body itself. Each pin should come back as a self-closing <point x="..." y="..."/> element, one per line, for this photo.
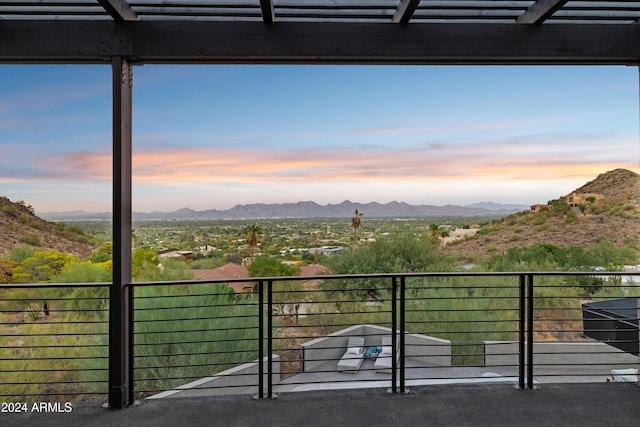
<point x="197" y="338"/>
<point x="54" y="342"/>
<point x="577" y="338"/>
<point x="186" y="332"/>
<point x="441" y="327"/>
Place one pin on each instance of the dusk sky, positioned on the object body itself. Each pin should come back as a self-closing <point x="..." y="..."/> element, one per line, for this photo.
<point x="211" y="137"/>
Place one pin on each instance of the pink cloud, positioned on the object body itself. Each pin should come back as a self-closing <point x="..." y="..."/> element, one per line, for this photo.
<point x="508" y="160"/>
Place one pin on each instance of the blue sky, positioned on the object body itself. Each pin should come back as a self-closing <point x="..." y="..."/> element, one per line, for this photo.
<point x="210" y="137"/>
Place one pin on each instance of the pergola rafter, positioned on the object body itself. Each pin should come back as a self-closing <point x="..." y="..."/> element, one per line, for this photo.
<point x="119" y="10"/>
<point x="268" y="13"/>
<point x="405" y="11"/>
<point x="539" y="11"/>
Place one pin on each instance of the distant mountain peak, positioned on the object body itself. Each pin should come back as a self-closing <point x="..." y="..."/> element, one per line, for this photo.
<point x="185" y="210"/>
<point x="493" y="206"/>
<point x="311" y="209"/>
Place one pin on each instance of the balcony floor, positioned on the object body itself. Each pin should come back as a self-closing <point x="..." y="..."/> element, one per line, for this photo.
<point x="611" y="404"/>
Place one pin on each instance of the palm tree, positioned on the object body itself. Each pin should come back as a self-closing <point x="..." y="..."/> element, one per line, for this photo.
<point x="355" y="223"/>
<point x="253" y="233"/>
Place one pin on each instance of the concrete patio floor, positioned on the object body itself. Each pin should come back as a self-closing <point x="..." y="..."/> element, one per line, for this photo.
<point x="582" y="404"/>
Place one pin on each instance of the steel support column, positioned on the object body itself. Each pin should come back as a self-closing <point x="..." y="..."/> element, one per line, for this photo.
<point x="120" y="293"/>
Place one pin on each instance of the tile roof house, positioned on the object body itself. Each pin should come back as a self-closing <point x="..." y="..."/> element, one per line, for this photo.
<point x="313" y="270"/>
<point x="229" y="271"/>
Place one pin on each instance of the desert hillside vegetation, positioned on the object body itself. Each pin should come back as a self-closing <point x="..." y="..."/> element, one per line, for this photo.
<point x="608" y="209"/>
<point x="21" y="226"/>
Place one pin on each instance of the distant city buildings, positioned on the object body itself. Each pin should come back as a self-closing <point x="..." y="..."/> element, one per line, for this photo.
<point x="327" y="250"/>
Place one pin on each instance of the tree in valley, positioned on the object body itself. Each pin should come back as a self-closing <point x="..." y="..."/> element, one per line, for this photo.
<point x="287" y="294"/>
<point x="85" y="302"/>
<point x="355" y="223"/>
<point x="253" y="233"/>
<point x="400" y="253"/>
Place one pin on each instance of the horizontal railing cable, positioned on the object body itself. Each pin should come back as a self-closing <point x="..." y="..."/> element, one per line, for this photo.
<point x="294" y="333"/>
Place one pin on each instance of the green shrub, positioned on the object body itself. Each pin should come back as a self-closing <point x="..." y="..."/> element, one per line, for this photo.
<point x="37" y="225"/>
<point x="540" y="219"/>
<point x="19" y="253"/>
<point x="31" y="239"/>
<point x="590" y="284"/>
<point x="10" y="210"/>
<point x="570" y="217"/>
<point x="543" y="227"/>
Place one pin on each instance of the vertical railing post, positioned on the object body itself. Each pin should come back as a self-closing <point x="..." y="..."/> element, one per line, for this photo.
<point x="394" y="327"/>
<point x="638" y="334"/>
<point x="402" y="332"/>
<point x="269" y="339"/>
<point x="120" y="307"/>
<point x="531" y="298"/>
<point x="260" y="339"/>
<point x="131" y="343"/>
<point x="522" y="314"/>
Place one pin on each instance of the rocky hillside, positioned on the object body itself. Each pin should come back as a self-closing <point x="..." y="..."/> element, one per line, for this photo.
<point x="615" y="215"/>
<point x="19" y="225"/>
<point x="617" y="186"/>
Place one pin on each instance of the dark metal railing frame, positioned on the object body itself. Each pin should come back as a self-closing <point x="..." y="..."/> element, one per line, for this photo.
<point x="398" y="323"/>
<point x="526" y="305"/>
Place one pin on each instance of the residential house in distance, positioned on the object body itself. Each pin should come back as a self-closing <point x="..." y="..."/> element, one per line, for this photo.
<point x="174" y="253"/>
<point x="460" y="234"/>
<point x="313" y="270"/>
<point x="574" y="199"/>
<point x="228" y="271"/>
<point x="540" y="207"/>
<point x="327" y="250"/>
<point x="231" y="271"/>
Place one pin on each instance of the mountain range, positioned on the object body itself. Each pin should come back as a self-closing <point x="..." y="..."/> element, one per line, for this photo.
<point x="614" y="215"/>
<point x="307" y="209"/>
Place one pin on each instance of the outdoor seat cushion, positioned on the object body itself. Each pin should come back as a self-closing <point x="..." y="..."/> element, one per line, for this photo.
<point x="629" y="375"/>
<point x="353" y="357"/>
